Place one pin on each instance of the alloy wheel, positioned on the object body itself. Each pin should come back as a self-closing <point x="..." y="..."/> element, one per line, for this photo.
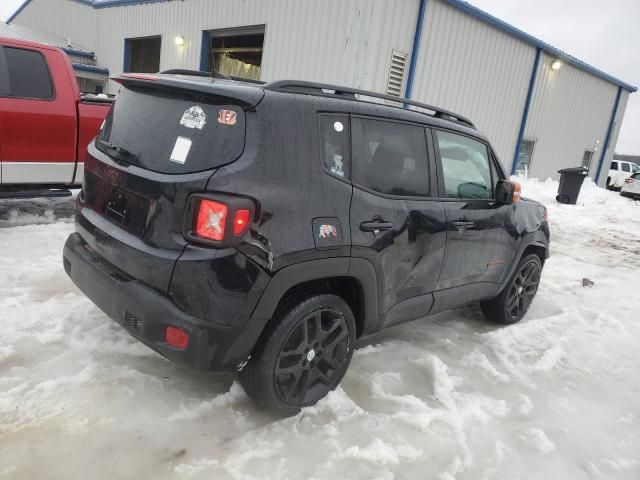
<point x="312" y="357"/>
<point x="523" y="290"/>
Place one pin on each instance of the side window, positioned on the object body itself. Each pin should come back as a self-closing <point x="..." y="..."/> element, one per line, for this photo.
<point x="465" y="166"/>
<point x="614" y="165"/>
<point x="636" y="176"/>
<point x="635" y="168"/>
<point x="334" y="144"/>
<point x="28" y="74"/>
<point x="625" y="167"/>
<point x="389" y="157"/>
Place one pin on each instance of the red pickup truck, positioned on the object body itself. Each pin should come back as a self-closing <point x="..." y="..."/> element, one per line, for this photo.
<point x="45" y="122"/>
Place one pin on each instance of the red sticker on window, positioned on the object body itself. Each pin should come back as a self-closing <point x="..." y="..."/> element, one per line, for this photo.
<point x="227" y="117"/>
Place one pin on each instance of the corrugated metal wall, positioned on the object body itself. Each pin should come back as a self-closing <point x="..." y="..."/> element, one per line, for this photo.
<point x="570" y="111"/>
<point x="62" y="18"/>
<point x="464" y="64"/>
<point x="336" y="41"/>
<point x="474" y="69"/>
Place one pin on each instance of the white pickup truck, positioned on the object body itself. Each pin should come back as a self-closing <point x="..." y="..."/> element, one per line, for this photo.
<point x="619" y="171"/>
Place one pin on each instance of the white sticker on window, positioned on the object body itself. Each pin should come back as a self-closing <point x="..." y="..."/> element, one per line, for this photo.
<point x="194" y="117"/>
<point x="338" y="126"/>
<point x="181" y="150"/>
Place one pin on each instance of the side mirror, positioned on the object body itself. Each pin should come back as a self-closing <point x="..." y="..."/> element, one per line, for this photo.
<point x="507" y="192"/>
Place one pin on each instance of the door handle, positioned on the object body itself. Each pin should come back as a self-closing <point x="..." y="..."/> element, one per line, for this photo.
<point x="461" y="226"/>
<point x="375" y="226"/>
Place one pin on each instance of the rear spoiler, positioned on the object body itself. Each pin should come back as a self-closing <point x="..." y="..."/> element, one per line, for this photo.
<point x="247" y="96"/>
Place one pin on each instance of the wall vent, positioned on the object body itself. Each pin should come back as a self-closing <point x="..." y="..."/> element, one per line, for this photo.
<point x="395" y="82"/>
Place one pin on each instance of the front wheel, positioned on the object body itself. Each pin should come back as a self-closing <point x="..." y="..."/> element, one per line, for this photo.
<point x="516" y="298"/>
<point x="302" y="356"/>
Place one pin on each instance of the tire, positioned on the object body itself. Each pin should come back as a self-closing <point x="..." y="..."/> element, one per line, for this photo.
<point x="511" y="305"/>
<point x="303" y="354"/>
<point x="608" y="184"/>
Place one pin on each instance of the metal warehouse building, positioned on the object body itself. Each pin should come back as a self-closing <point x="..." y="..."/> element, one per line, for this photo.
<point x="541" y="108"/>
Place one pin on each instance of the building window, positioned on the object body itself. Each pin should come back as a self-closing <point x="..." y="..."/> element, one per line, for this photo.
<point x="586" y="159"/>
<point x="525" y="155"/>
<point x="28" y="74"/>
<point x="389" y="157"/>
<point x="142" y="55"/>
<point x="236" y="52"/>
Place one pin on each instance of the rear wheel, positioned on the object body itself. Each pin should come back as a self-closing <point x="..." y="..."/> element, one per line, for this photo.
<point x="516" y="298"/>
<point x="302" y="356"/>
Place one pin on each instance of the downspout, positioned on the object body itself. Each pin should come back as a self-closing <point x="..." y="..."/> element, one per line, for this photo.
<point x="415" y="48"/>
<point x="525" y="113"/>
<point x="614" y="114"/>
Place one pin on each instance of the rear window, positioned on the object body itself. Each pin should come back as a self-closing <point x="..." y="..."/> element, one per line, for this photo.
<point x="172" y="132"/>
<point x="389" y="157"/>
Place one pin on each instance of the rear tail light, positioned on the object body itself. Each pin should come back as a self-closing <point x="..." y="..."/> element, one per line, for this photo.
<point x="517" y="189"/>
<point x="176" y="337"/>
<point x="241" y="222"/>
<point x="219" y="220"/>
<point x="211" y="220"/>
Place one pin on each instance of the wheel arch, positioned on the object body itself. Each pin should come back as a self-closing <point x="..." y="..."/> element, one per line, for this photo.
<point x="536" y="242"/>
<point x="353" y="279"/>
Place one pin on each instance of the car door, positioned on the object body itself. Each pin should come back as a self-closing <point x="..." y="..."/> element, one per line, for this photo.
<point x="395" y="222"/>
<point x="38" y="120"/>
<point x="481" y="236"/>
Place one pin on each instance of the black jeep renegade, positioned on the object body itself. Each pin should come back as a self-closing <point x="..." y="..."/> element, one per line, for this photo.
<point x="265" y="228"/>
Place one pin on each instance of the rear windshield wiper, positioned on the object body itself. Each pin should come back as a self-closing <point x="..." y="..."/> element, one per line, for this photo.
<point x="118" y="152"/>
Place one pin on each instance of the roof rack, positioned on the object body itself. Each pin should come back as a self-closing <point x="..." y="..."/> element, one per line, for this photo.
<point x="313" y="88"/>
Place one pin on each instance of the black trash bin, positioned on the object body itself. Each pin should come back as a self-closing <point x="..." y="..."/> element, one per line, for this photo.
<point x="570" y="182"/>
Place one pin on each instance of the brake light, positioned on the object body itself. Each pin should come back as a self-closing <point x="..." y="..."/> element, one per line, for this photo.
<point x="240" y="221"/>
<point x="517" y="189"/>
<point x="176" y="337"/>
<point x="211" y="220"/>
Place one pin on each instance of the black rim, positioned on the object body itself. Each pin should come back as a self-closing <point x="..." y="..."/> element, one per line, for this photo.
<point x="312" y="357"/>
<point x="523" y="289"/>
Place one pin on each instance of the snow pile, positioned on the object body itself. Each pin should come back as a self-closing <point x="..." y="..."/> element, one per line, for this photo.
<point x="556" y="396"/>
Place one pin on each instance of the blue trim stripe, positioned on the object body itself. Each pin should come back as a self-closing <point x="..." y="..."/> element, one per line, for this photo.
<point x="531" y="40"/>
<point x="614" y="114"/>
<point x="17" y="12"/>
<point x="94" y="4"/>
<point x="204" y="51"/>
<point x="525" y="113"/>
<point x="89" y="68"/>
<point x="415" y="48"/>
<point x="127" y="55"/>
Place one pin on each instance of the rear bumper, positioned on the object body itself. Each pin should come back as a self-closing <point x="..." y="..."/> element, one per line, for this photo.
<point x="145" y="313"/>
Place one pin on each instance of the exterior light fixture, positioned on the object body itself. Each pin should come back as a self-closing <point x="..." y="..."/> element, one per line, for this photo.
<point x="556" y="65"/>
<point x="179" y="40"/>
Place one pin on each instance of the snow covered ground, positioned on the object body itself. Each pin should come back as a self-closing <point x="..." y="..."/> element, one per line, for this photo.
<point x="556" y="396"/>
